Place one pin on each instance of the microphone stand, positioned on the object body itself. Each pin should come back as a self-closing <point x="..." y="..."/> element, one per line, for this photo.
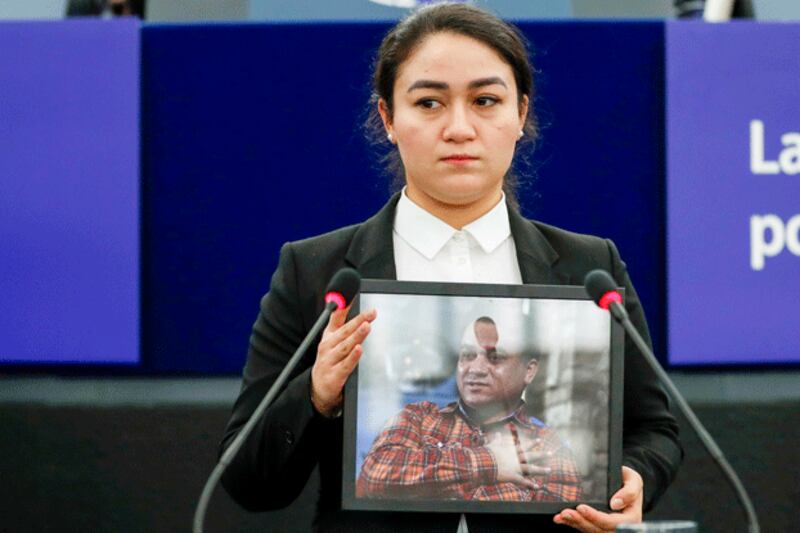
<point x="621" y="315"/>
<point x="230" y="452"/>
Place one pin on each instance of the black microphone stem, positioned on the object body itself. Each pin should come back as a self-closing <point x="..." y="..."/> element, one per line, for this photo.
<point x="621" y="316"/>
<point x="230" y="452"/>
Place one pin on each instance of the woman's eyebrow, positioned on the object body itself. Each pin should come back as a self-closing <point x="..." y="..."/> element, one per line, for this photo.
<point x="483" y="82"/>
<point x="428" y="84"/>
<point x="442" y="86"/>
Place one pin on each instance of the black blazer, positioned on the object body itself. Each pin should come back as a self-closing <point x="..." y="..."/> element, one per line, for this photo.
<point x="291" y="439"/>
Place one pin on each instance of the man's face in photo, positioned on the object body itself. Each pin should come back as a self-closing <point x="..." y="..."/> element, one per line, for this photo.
<point x="490" y="375"/>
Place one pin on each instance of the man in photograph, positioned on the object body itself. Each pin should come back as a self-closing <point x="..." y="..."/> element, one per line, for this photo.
<point x="482" y="447"/>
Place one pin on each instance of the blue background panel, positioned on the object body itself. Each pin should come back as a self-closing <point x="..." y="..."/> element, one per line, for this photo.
<point x="69" y="192"/>
<point x="252" y="136"/>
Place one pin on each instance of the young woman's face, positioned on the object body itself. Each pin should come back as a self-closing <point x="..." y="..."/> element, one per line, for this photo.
<point x="456" y="120"/>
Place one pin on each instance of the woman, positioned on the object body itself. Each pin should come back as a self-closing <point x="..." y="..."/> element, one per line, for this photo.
<point x="452" y="88"/>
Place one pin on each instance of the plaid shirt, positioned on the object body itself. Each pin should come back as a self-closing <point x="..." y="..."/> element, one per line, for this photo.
<point x="426" y="451"/>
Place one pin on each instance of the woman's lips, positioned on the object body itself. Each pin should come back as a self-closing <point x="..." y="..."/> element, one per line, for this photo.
<point x="459" y="159"/>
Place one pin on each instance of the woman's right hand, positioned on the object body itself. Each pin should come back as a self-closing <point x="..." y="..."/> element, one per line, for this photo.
<point x="338" y="354"/>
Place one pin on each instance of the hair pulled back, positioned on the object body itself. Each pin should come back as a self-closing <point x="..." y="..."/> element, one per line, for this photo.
<point x="462" y="19"/>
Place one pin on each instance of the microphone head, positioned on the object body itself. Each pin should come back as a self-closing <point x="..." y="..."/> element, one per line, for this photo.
<point x="601" y="288"/>
<point x="343" y="287"/>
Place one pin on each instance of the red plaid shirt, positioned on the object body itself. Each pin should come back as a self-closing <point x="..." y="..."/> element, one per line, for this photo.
<point x="426" y="451"/>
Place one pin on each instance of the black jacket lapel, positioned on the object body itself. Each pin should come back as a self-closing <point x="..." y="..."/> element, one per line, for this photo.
<point x="371" y="251"/>
<point x="537" y="258"/>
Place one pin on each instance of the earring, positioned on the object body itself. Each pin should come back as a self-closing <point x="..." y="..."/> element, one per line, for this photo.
<point x="389" y="136"/>
<point x="521" y="134"/>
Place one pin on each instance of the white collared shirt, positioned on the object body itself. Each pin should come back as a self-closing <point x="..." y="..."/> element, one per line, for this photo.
<point x="428" y="249"/>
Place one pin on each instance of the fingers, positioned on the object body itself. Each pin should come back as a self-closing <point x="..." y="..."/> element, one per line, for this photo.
<point x="535" y="462"/>
<point x="336" y="319"/>
<point x="632" y="488"/>
<point x="535" y="457"/>
<point x="533" y="470"/>
<point x="524" y="482"/>
<point x="338" y="342"/>
<point x="351" y="360"/>
<point x="337" y="329"/>
<point x="603" y="521"/>
<point x="536" y="451"/>
<point x="344" y="349"/>
<point x="573" y="519"/>
<point x="588" y="519"/>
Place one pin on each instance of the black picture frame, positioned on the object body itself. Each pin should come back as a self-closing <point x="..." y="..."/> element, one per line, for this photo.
<point x="417" y="322"/>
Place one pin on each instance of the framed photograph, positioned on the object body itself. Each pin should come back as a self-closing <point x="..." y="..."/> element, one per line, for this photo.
<point x="483" y="398"/>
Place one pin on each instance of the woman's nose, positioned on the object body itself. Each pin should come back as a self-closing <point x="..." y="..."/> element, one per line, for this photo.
<point x="459" y="127"/>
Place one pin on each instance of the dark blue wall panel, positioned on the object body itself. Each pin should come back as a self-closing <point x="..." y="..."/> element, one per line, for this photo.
<point x="252" y="137"/>
<point x="600" y="163"/>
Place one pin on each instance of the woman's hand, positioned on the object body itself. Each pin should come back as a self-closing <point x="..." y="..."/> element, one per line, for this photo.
<point x="627" y="502"/>
<point x="337" y="355"/>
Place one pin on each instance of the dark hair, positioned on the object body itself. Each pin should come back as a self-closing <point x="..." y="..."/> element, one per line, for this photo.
<point x="470" y="21"/>
<point x="485" y="320"/>
<point x="526" y="354"/>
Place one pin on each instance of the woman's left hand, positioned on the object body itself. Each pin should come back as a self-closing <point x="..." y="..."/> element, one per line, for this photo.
<point x="627" y="501"/>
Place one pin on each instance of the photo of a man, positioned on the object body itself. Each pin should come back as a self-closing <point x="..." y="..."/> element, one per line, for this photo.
<point x="483" y="446"/>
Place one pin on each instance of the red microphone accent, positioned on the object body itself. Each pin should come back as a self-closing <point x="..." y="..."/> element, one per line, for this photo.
<point x="610" y="296"/>
<point x="337" y="298"/>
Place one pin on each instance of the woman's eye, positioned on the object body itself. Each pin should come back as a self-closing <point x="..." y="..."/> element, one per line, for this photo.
<point x="486" y="101"/>
<point x="427" y="103"/>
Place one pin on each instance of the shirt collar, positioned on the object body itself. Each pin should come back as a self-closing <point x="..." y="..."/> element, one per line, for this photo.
<point x="428" y="234"/>
<point x="420" y="229"/>
<point x="492" y="228"/>
<point x="518" y="415"/>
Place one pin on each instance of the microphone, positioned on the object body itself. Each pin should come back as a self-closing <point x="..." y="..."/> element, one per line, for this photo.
<point x="602" y="288"/>
<point x="343" y="287"/>
<point x="341" y="290"/>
